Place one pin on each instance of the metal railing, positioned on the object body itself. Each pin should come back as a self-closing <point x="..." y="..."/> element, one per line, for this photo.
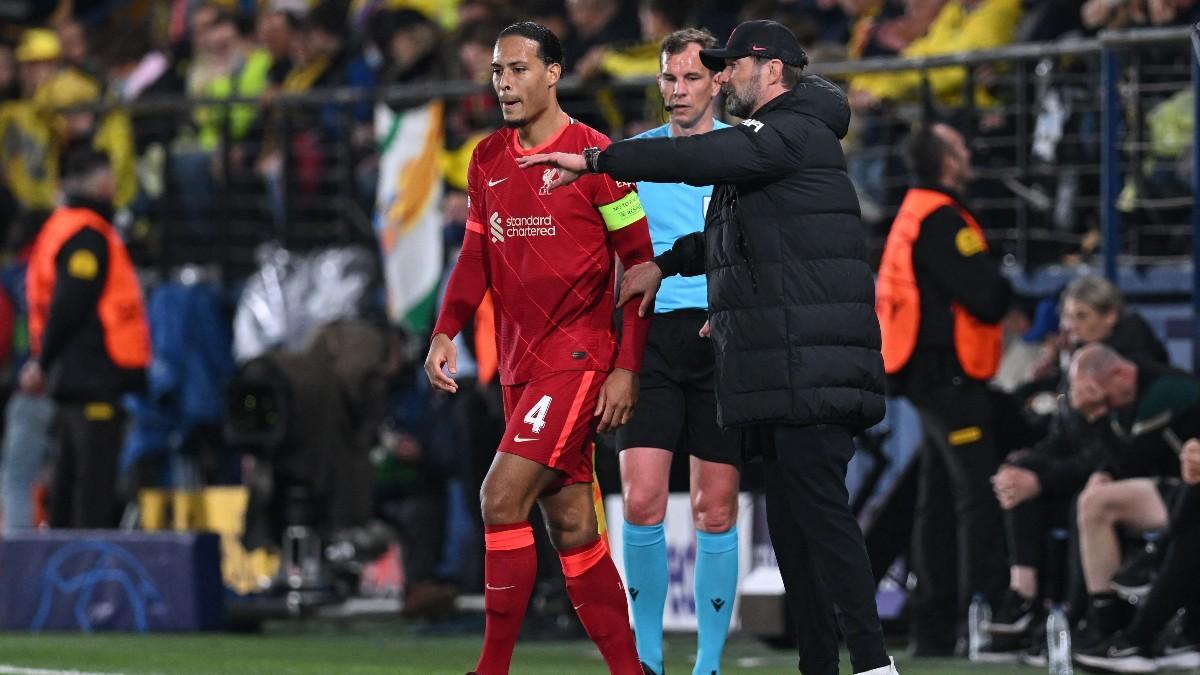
<point x="322" y="192"/>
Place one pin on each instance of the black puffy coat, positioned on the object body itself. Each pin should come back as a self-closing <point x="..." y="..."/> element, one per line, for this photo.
<point x="791" y="296"/>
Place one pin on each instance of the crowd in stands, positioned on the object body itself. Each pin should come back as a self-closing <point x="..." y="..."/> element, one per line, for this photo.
<point x="209" y="96"/>
<point x="83" y="55"/>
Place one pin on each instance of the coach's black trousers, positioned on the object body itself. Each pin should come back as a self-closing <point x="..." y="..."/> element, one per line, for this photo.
<point x="820" y="548"/>
<point x="958" y="540"/>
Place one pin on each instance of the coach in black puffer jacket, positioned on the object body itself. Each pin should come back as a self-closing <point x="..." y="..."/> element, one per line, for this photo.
<point x="791" y="297"/>
<point x="792" y="314"/>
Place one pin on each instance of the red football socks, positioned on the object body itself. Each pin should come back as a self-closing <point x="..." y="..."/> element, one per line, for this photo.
<point x="598" y="596"/>
<point x="510" y="567"/>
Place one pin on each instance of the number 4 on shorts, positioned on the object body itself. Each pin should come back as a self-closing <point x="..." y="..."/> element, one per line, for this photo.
<point x="536" y="416"/>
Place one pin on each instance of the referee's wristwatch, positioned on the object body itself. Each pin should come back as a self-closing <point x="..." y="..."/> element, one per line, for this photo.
<point x="591" y="158"/>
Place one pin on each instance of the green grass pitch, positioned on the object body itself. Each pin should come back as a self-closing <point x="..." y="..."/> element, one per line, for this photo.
<point x="358" y="649"/>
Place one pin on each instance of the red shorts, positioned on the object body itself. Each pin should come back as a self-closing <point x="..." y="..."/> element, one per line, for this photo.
<point x="550" y="421"/>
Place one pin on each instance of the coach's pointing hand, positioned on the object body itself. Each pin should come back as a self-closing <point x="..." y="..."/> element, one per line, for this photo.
<point x="570" y="166"/>
<point x="442" y="353"/>
<point x="643" y="280"/>
<point x="617" y="398"/>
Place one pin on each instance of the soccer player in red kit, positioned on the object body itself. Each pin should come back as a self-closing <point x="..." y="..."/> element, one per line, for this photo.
<point x="547" y="256"/>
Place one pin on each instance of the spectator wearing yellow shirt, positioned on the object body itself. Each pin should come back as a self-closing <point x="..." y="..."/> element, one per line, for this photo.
<point x="28" y="149"/>
<point x="226" y="66"/>
<point x="35" y="129"/>
<point x="960" y="26"/>
<point x="885" y="27"/>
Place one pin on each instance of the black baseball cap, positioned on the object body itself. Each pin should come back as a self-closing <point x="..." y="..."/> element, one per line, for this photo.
<point x="769" y="39"/>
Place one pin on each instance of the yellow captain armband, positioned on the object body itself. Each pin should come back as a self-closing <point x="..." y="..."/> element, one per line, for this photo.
<point x="624" y="212"/>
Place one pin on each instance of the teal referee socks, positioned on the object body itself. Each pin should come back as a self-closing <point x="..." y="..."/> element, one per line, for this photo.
<point x="715" y="585"/>
<point x="645" y="549"/>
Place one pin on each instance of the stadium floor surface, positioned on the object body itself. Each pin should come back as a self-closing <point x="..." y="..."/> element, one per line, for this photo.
<point x="357" y="649"/>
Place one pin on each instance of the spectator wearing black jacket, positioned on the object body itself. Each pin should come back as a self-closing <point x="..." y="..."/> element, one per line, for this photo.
<point x="941" y="298"/>
<point x="791" y="315"/>
<point x="1038" y="487"/>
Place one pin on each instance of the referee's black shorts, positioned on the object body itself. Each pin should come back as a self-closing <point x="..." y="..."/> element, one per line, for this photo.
<point x="677" y="403"/>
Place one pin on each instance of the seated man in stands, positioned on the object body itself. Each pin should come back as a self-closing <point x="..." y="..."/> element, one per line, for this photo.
<point x="1037" y="488"/>
<point x="1151" y="408"/>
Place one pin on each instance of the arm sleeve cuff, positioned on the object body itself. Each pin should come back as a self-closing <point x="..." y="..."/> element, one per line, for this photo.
<point x="668" y="263"/>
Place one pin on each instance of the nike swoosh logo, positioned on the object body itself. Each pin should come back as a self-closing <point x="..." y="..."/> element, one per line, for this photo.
<point x="518" y="439"/>
<point x="759" y="49"/>
<point x="578" y="606"/>
<point x="494" y="183"/>
<point x="498" y="588"/>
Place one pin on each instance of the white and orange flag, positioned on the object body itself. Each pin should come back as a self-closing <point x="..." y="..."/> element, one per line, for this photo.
<point x="408" y="216"/>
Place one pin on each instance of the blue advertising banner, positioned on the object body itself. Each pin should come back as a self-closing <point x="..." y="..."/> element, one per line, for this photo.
<point x="103" y="580"/>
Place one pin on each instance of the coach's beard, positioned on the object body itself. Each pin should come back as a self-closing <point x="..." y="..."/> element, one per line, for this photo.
<point x="736" y="105"/>
<point x="740" y="105"/>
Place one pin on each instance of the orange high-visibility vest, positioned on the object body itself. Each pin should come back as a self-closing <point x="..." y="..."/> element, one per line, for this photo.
<point x="898" y="301"/>
<point x="120" y="308"/>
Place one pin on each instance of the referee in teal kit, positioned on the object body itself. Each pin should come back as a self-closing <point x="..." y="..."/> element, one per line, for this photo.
<point x="677" y="407"/>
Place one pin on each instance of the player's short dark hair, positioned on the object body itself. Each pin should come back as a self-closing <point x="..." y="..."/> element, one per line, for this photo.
<point x="679" y="40"/>
<point x="923" y="152"/>
<point x="549" y="48"/>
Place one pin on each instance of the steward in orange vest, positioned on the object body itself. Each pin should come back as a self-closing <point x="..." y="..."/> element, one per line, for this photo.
<point x="89" y="341"/>
<point x="934" y="261"/>
<point x="87" y="321"/>
<point x="940" y="298"/>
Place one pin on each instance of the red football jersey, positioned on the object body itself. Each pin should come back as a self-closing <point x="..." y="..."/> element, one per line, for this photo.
<point x="547" y="255"/>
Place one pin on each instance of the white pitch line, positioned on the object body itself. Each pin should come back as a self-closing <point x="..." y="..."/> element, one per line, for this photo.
<point x="18" y="670"/>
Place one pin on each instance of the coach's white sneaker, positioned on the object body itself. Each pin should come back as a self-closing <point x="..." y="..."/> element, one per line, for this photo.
<point x="889" y="669"/>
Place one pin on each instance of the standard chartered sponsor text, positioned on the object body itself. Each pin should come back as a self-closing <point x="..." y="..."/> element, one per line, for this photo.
<point x="529" y="226"/>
